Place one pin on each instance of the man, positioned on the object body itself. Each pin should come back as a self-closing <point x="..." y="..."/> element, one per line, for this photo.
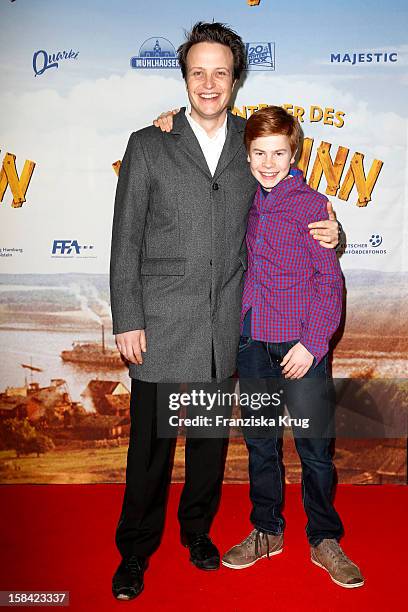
<point x="177" y="262"/>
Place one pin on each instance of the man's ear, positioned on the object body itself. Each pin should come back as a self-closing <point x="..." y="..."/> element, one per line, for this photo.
<point x="248" y="158"/>
<point x="233" y="84"/>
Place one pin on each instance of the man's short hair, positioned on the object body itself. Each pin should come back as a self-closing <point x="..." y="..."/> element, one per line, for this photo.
<point x="270" y="121"/>
<point x="217" y="33"/>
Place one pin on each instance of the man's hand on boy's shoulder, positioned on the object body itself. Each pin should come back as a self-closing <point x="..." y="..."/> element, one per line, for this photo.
<point x="297" y="361"/>
<point x="326" y="231"/>
<point x="165" y="120"/>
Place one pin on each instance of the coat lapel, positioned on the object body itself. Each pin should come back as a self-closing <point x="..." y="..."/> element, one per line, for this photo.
<point x="188" y="142"/>
<point x="232" y="145"/>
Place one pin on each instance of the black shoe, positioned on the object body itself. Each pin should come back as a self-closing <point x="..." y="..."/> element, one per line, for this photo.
<point x="203" y="553"/>
<point x="127" y="582"/>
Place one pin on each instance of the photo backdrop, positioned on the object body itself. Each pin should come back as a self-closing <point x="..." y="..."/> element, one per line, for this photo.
<point x="77" y="79"/>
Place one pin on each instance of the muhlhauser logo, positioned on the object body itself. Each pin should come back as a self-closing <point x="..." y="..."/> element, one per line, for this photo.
<point x="371" y="57"/>
<point x="155" y="53"/>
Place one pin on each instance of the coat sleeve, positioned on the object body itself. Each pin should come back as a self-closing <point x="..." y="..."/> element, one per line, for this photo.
<point x="131" y="205"/>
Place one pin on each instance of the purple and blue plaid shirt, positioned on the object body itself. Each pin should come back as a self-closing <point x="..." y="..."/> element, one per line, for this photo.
<point x="293" y="286"/>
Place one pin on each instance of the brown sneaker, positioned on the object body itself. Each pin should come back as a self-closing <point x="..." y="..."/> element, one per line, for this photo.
<point x="256" y="546"/>
<point x="329" y="555"/>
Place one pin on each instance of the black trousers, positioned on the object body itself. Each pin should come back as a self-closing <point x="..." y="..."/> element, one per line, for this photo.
<point x="148" y="476"/>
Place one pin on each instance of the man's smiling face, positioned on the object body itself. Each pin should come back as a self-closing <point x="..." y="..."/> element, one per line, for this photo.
<point x="209" y="79"/>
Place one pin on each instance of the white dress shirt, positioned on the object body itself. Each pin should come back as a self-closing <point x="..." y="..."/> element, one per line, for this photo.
<point x="211" y="147"/>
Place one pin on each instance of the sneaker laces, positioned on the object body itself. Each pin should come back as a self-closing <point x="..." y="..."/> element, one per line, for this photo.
<point x="336" y="552"/>
<point x="258" y="537"/>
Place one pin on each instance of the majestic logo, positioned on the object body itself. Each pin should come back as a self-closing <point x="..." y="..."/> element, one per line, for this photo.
<point x="363" y="58"/>
<point x="43" y="61"/>
<point x="69" y="248"/>
<point x="155" y="53"/>
<point x="9" y="177"/>
<point x="375" y="240"/>
<point x="260" y="55"/>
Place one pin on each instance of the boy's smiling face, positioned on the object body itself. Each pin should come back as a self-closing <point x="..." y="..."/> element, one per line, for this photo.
<point x="270" y="158"/>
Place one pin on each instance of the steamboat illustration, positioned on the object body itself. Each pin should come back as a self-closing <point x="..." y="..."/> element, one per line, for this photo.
<point x="89" y="352"/>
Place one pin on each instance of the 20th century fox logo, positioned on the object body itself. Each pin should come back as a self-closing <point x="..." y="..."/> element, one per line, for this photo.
<point x="260" y="55"/>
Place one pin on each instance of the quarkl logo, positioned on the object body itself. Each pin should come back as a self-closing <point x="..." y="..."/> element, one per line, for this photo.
<point x="375" y="240"/>
<point x="260" y="55"/>
<point x="69" y="248"/>
<point x="43" y="61"/>
<point x="156" y="53"/>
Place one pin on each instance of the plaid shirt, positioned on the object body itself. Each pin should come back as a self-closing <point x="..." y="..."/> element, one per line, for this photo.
<point x="293" y="286"/>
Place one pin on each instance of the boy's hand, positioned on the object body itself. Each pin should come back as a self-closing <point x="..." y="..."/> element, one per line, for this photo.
<point x="296" y="362"/>
<point x="165" y="120"/>
<point x="326" y="232"/>
<point x="132" y="344"/>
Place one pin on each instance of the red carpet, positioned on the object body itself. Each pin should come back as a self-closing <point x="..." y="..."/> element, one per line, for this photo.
<point x="61" y="538"/>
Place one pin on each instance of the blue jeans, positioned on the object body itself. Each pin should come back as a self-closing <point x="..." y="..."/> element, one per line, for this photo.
<point x="259" y="361"/>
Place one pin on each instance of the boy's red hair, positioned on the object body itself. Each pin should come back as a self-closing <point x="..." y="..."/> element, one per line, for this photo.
<point x="270" y="121"/>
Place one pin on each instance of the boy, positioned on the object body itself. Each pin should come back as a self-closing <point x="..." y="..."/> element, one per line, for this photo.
<point x="291" y="307"/>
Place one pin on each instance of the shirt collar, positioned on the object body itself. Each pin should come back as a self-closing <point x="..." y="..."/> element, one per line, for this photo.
<point x="295" y="172"/>
<point x="196" y="127"/>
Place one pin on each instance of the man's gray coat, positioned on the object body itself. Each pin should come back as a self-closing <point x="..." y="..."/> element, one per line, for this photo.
<point x="178" y="251"/>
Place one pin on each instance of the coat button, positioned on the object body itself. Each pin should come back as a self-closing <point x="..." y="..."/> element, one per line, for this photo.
<point x="215" y="187"/>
